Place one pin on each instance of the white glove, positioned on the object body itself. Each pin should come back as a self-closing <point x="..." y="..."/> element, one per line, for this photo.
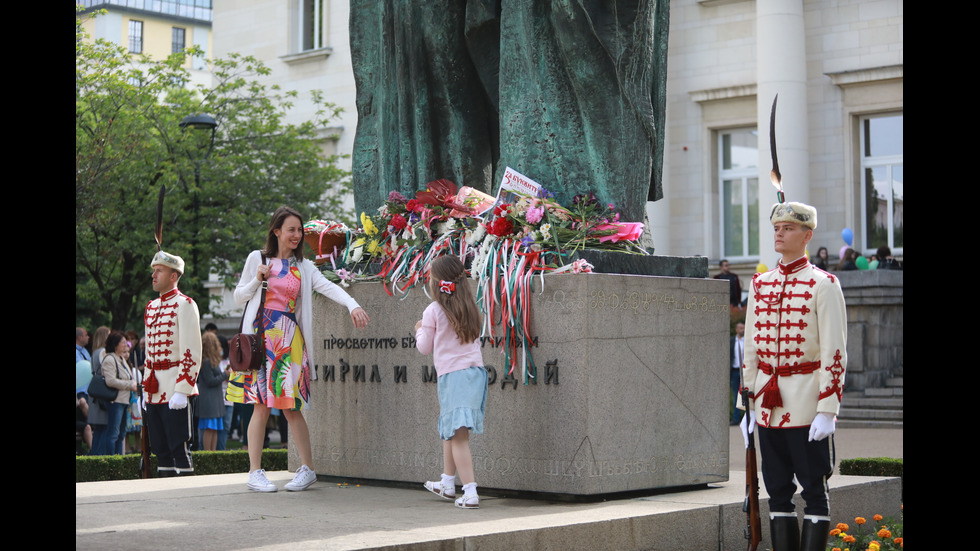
<point x="823" y="425"/>
<point x="178" y="400"/>
<point x="747" y="425"/>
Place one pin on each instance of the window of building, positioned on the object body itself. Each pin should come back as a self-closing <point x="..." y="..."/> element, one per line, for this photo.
<point x="882" y="177"/>
<point x="135" y="36"/>
<point x="311" y="15"/>
<point x="178" y="39"/>
<point x="738" y="186"/>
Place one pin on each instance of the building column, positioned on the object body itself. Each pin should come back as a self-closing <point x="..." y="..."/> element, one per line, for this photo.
<point x="781" y="69"/>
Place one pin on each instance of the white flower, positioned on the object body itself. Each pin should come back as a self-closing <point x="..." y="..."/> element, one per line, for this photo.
<point x="545" y="232"/>
<point x="356" y="255"/>
<point x="474" y="237"/>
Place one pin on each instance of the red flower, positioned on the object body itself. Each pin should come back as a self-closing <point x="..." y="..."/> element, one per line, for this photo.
<point x="398" y="222"/>
<point x="501" y="209"/>
<point x="413" y="205"/>
<point x="501" y="227"/>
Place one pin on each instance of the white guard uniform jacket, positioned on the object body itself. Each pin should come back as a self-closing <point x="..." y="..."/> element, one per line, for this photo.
<point x="795" y="345"/>
<point x="173" y="347"/>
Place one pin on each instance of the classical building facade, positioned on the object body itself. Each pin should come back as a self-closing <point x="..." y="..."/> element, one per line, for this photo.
<point x="155" y="28"/>
<point x="837" y="66"/>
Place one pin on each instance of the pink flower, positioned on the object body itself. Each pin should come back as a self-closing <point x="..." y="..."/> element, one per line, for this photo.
<point x="534" y="215"/>
<point x="625" y="231"/>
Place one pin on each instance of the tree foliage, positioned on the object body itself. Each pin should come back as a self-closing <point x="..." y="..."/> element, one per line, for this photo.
<point x="219" y="194"/>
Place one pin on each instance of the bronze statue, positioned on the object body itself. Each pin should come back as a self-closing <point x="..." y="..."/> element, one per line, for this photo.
<point x="570" y="93"/>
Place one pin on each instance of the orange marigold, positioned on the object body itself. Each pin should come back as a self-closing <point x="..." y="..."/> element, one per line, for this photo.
<point x="899" y="541"/>
<point x="849" y="538"/>
<point x="835" y="549"/>
<point x="877" y="518"/>
<point x="842" y="527"/>
<point x="835" y="531"/>
<point x="859" y="520"/>
<point x="884" y="533"/>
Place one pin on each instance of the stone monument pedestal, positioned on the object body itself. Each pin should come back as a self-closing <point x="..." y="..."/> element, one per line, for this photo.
<point x="631" y="390"/>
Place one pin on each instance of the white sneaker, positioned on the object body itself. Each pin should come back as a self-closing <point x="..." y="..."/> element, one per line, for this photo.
<point x="304" y="478"/>
<point x="259" y="483"/>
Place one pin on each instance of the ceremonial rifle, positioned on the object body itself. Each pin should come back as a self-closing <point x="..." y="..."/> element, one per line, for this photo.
<point x="753" y="522"/>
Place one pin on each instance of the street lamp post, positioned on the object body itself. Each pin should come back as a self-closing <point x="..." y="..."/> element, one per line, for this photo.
<point x="196" y="123"/>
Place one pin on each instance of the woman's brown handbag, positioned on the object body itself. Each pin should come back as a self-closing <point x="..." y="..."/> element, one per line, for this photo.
<point x="247" y="351"/>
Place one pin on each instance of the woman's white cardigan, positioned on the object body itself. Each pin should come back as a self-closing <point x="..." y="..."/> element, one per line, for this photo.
<point x="311" y="279"/>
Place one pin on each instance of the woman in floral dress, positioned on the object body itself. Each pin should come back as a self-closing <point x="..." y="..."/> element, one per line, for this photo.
<point x="283" y="382"/>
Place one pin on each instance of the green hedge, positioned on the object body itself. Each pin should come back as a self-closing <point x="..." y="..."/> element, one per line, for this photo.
<point x="92" y="468"/>
<point x="874" y="466"/>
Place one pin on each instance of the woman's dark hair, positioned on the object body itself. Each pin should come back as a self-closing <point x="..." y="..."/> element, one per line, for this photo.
<point x="112" y="341"/>
<point x="272" y="242"/>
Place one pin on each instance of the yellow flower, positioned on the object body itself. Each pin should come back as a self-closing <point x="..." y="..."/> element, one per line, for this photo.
<point x="373" y="246"/>
<point x="877" y="518"/>
<point x="874" y="546"/>
<point x="368" y="225"/>
<point x="884" y="533"/>
<point x="859" y="520"/>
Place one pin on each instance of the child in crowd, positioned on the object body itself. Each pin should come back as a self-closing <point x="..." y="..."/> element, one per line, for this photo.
<point x="450" y="330"/>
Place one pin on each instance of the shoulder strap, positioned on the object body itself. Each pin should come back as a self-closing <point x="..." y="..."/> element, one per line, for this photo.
<point x="258" y="312"/>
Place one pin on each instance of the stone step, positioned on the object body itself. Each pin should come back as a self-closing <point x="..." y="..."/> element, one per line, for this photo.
<point x="895" y="382"/>
<point x="868" y="424"/>
<point x="873" y="402"/>
<point x="863" y="413"/>
<point x="883" y="392"/>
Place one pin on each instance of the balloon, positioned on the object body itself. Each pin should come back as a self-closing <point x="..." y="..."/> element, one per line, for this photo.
<point x="848" y="236"/>
<point x="83" y="374"/>
<point x="842" y="251"/>
<point x="862" y="262"/>
<point x="873" y="265"/>
<point x="761" y="268"/>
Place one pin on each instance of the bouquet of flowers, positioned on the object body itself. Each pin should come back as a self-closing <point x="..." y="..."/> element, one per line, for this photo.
<point x="504" y="244"/>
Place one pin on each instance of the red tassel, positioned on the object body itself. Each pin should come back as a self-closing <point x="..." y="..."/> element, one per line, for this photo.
<point x="151" y="385"/>
<point x="771" y="398"/>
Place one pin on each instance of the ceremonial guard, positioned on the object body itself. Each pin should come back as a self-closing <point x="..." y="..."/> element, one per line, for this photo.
<point x="795" y="358"/>
<point x="173" y="359"/>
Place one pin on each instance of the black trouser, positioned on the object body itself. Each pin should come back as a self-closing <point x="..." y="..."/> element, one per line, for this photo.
<point x="787" y="452"/>
<point x="170" y="436"/>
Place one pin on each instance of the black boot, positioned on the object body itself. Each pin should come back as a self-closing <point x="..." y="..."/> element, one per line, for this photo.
<point x="784" y="531"/>
<point x="816" y="531"/>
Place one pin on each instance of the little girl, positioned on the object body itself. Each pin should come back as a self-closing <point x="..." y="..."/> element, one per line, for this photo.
<point x="450" y="331"/>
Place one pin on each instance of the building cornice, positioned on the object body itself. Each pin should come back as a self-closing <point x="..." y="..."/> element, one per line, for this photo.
<point x="727" y="92"/>
<point x="865" y="76"/>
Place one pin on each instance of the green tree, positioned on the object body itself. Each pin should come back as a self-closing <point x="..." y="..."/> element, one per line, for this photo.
<point x="220" y="191"/>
